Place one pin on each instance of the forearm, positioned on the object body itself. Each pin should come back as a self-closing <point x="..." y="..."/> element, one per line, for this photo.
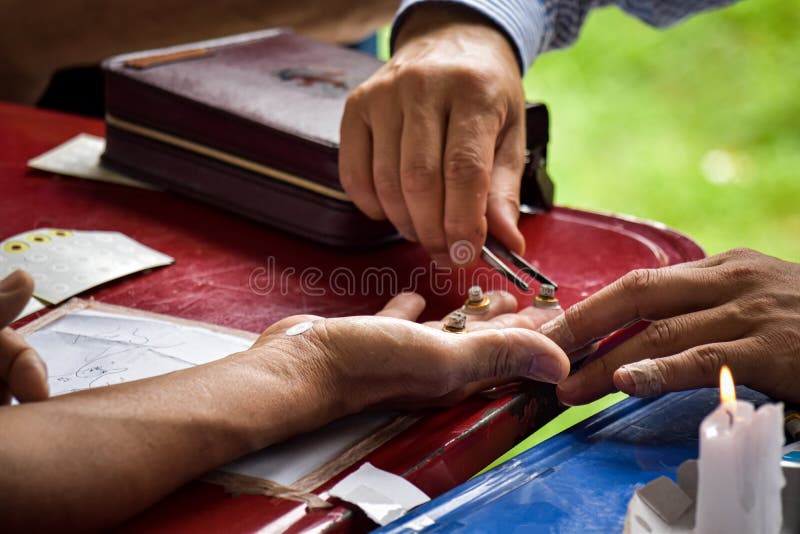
<point x="88" y="460"/>
<point x="35" y="40"/>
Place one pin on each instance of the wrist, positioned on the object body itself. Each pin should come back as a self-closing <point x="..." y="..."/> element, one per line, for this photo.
<point x="301" y="379"/>
<point x="451" y="20"/>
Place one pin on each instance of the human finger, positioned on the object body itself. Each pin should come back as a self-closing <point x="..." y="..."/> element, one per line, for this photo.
<point x="512" y="352"/>
<point x="468" y="158"/>
<point x="387" y="126"/>
<point x="15" y="292"/>
<point x="421" y="174"/>
<point x="355" y="159"/>
<point x="695" y="368"/>
<point x="660" y="338"/>
<point x="406" y="306"/>
<point x="531" y="318"/>
<point x="21" y="368"/>
<point x="500" y="302"/>
<point x="640" y="294"/>
<point x="502" y="209"/>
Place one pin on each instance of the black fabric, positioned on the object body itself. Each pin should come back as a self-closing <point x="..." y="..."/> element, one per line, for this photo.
<point x="76" y="90"/>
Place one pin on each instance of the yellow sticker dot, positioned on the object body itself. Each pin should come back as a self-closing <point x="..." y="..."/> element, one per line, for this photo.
<point x="15" y="247"/>
<point x="58" y="232"/>
<point x="38" y="238"/>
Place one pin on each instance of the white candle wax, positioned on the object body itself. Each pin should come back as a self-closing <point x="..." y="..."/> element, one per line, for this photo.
<point x="739" y="470"/>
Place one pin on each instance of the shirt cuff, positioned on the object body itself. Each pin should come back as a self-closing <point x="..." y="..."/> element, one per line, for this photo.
<point x="524" y="22"/>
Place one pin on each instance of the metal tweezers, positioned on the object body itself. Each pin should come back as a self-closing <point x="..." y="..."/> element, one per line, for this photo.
<point x="493" y="250"/>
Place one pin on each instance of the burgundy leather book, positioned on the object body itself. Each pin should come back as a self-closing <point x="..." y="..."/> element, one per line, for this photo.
<point x="251" y="123"/>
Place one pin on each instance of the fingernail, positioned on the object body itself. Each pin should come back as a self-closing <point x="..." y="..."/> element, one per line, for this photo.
<point x="558" y="330"/>
<point x="11" y="282"/>
<point x="409" y="234"/>
<point x="641" y="379"/>
<point x="546" y="369"/>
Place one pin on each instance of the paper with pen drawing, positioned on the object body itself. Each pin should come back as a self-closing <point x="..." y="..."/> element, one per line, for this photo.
<point x="91" y="348"/>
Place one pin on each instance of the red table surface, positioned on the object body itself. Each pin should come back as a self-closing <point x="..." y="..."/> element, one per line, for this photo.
<point x="234" y="272"/>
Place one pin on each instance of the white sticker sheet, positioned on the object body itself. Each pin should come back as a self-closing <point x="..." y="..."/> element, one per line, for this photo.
<point x="64" y="263"/>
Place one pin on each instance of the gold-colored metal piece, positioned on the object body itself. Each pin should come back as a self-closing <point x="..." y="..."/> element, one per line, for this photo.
<point x="476" y="302"/>
<point x="546" y="298"/>
<point x="456" y="323"/>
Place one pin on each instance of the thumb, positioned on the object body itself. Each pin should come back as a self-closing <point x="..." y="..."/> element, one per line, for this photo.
<point x="502" y="211"/>
<point x="511" y="352"/>
<point x="15" y="292"/>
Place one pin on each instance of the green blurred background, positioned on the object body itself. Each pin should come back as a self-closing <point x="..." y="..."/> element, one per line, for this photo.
<point x="696" y="126"/>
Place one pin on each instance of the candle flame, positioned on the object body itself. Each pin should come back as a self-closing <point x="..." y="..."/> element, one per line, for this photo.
<point x="727" y="390"/>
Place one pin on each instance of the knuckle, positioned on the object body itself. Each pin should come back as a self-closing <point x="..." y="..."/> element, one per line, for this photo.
<point x="420" y="177"/>
<point x="638" y="281"/>
<point x="356" y="99"/>
<point x="783" y="340"/>
<point x="743" y="272"/>
<point x="576" y="316"/>
<point x="658" y="334"/>
<point x="466" y="169"/>
<point x="707" y="359"/>
<point x="415" y="78"/>
<point x="501" y="354"/>
<point x="386" y="179"/>
<point x="479" y="83"/>
<point x="505" y="197"/>
<point x="760" y="305"/>
<point x="742" y="252"/>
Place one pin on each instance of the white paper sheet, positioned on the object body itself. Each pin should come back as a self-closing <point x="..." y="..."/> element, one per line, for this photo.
<point x="80" y="157"/>
<point x="91" y="348"/>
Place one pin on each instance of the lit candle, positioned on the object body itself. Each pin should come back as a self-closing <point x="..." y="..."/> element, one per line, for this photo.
<point x="739" y="469"/>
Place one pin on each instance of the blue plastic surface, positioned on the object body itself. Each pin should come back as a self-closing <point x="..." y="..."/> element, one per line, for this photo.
<point x="580" y="480"/>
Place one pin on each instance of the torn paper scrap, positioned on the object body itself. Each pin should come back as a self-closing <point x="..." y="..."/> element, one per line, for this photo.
<point x="64" y="263"/>
<point x="33" y="306"/>
<point x="80" y="157"/>
<point x="383" y="496"/>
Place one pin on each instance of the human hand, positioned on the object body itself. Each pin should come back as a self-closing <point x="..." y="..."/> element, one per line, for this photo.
<point x="23" y="373"/>
<point x="353" y="363"/>
<point x="740" y="308"/>
<point x="434" y="141"/>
